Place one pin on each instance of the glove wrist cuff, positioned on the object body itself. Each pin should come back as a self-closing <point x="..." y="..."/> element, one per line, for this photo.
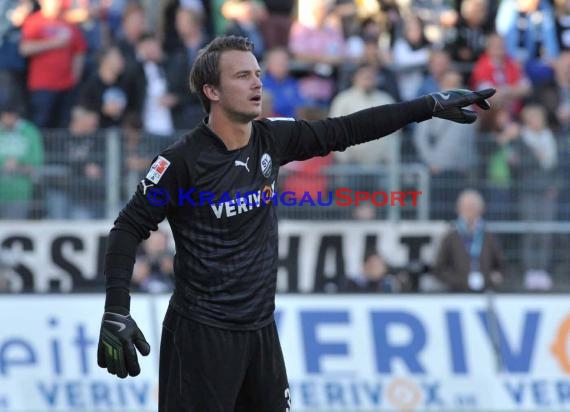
<point x="118" y="299"/>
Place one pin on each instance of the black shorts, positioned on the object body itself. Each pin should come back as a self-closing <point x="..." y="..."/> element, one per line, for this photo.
<point x="208" y="369"/>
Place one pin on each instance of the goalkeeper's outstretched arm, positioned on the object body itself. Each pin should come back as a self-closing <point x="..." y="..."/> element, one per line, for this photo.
<point x="302" y="140"/>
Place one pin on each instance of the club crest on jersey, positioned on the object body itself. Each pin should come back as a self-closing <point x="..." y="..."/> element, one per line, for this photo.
<point x="266" y="165"/>
<point x="157" y="169"/>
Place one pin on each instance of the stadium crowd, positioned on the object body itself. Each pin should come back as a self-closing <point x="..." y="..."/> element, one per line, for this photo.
<point x="71" y="70"/>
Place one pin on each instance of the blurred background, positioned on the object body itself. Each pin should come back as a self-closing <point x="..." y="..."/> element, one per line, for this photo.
<point x="472" y="276"/>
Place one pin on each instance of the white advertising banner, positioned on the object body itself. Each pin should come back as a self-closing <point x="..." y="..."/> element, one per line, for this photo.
<point x="68" y="256"/>
<point x="427" y="353"/>
<point x="344" y="353"/>
<point x="48" y="356"/>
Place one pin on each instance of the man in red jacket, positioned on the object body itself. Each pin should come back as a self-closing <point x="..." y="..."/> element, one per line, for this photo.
<point x="495" y="68"/>
<point x="56" y="51"/>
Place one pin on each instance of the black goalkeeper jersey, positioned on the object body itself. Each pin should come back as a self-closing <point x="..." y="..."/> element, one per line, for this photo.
<point x="214" y="199"/>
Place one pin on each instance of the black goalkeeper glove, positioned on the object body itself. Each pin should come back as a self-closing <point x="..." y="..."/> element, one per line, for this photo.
<point x="449" y="104"/>
<point x="117" y="341"/>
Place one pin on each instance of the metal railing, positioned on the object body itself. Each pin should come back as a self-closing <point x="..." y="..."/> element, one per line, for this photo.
<point x="93" y="178"/>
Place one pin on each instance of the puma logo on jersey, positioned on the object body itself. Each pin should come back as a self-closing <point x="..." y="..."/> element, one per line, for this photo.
<point x="240" y="163"/>
<point x="145" y="187"/>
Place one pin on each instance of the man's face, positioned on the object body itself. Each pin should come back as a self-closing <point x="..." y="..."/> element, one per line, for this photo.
<point x="151" y="50"/>
<point x="51" y="8"/>
<point x="239" y="91"/>
<point x="375" y="268"/>
<point x="278" y="64"/>
<point x="470" y="209"/>
<point x="184" y="22"/>
<point x="8" y="119"/>
<point x="134" y="25"/>
<point x="365" y="79"/>
<point x="496" y="47"/>
<point x="439" y="64"/>
<point x="115" y="60"/>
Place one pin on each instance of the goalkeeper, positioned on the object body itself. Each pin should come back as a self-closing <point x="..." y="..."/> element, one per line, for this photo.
<point x="219" y="350"/>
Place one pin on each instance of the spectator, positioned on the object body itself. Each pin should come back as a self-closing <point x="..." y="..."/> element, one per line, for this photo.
<point x="563" y="91"/>
<point x="386" y="79"/>
<point x="278" y="81"/>
<point x="318" y="42"/>
<point x="529" y="30"/>
<point x="79" y="193"/>
<point x="378" y="154"/>
<point x="153" y="271"/>
<point x="410" y="54"/>
<point x="137" y="149"/>
<point x="50" y="42"/>
<point x="216" y="19"/>
<point x="375" y="277"/>
<point x="346" y="13"/>
<point x="244" y="18"/>
<point x="436" y="18"/>
<point x="368" y="43"/>
<point x="497" y="154"/>
<point x="191" y="12"/>
<point x="21" y="153"/>
<point x="85" y="155"/>
<point x="562" y="10"/>
<point x="495" y="68"/>
<point x="277" y="24"/>
<point x="152" y="80"/>
<point x="491" y="15"/>
<point x="439" y="64"/>
<point x="133" y="27"/>
<point x="538" y="157"/>
<point x="369" y="31"/>
<point x="391" y="16"/>
<point x="469" y="258"/>
<point x="12" y="63"/>
<point x="106" y="91"/>
<point x="450" y="154"/>
<point x="89" y="17"/>
<point x="362" y="94"/>
<point x="187" y="110"/>
<point x="111" y="12"/>
<point x="468" y="38"/>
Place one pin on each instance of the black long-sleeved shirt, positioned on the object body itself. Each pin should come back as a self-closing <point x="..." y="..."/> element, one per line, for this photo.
<point x="226" y="249"/>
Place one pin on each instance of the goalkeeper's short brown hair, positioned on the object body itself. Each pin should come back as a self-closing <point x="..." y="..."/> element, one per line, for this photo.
<point x="206" y="68"/>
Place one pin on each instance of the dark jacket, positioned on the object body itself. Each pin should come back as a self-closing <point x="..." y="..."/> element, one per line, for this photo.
<point x="453" y="263"/>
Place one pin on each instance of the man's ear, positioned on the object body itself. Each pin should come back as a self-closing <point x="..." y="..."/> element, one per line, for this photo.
<point x="211" y="92"/>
